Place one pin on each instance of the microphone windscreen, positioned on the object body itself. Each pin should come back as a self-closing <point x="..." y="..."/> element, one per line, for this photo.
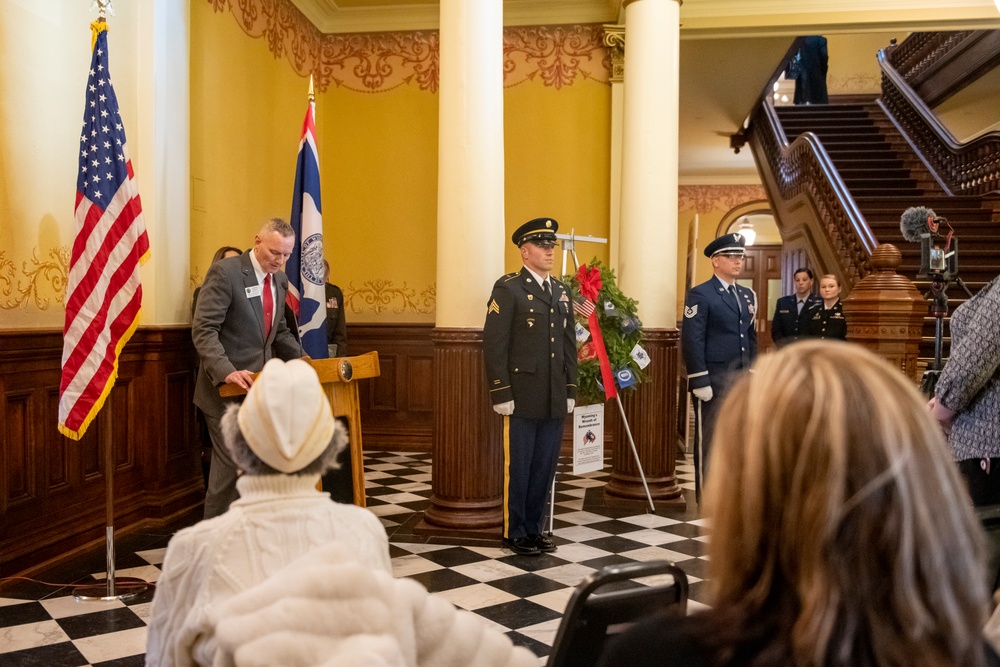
<point x="913" y="222"/>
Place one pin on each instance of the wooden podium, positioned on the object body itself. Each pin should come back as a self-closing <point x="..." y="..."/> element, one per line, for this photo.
<point x="338" y="377"/>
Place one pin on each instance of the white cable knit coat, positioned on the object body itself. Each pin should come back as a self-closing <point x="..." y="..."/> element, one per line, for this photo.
<point x="327" y="610"/>
<point x="277" y="519"/>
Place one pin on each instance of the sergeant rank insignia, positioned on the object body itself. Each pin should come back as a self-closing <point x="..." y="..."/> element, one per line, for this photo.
<point x="690" y="311"/>
<point x="494" y="308"/>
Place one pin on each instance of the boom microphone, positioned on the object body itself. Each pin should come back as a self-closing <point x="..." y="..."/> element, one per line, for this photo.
<point x="914" y="222"/>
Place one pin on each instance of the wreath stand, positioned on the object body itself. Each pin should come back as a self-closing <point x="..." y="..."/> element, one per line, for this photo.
<point x="569" y="248"/>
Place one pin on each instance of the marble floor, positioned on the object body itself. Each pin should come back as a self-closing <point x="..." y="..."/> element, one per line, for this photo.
<point x="523" y="597"/>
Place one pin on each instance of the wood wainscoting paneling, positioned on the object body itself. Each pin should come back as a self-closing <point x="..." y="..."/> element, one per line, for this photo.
<point x="397" y="408"/>
<point x="52" y="489"/>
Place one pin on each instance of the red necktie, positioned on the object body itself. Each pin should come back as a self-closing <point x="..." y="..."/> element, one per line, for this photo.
<point x="268" y="305"/>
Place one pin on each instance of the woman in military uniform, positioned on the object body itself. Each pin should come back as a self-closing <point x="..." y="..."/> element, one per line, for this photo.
<point x="827" y="319"/>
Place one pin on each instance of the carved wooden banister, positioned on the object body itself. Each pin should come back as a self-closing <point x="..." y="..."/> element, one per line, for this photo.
<point x="936" y="65"/>
<point x="803" y="169"/>
<point x="971" y="168"/>
<point x="920" y="51"/>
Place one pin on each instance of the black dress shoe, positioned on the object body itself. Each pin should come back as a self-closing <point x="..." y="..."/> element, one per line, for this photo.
<point x="542" y="543"/>
<point x="524" y="546"/>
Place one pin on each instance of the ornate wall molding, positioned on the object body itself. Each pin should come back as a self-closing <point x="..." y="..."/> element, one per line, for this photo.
<point x="706" y="198"/>
<point x="44" y="276"/>
<point x="854" y="84"/>
<point x="379" y="295"/>
<point x="378" y="62"/>
<point x="556" y="55"/>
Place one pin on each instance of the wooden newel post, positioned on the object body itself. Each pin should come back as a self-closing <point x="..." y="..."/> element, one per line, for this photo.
<point x="885" y="312"/>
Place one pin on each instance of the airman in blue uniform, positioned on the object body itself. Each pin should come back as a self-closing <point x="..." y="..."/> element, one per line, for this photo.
<point x="718" y="339"/>
<point x="791" y="312"/>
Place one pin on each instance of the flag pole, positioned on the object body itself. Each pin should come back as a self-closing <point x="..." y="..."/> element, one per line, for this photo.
<point x="108" y="591"/>
<point x="93" y="592"/>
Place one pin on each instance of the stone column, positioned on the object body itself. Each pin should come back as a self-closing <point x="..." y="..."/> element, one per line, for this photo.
<point x="647" y="256"/>
<point x="159" y="151"/>
<point x="885" y="312"/>
<point x="466" y="477"/>
<point x="614" y="40"/>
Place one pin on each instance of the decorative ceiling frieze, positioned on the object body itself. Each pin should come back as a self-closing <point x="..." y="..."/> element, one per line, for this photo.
<point x="376" y="62"/>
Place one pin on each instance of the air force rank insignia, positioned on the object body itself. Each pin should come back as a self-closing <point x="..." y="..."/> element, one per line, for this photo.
<point x="494" y="308"/>
<point x="690" y="311"/>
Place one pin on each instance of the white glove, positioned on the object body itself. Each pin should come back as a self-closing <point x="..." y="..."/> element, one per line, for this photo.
<point x="703" y="393"/>
<point x="504" y="408"/>
<point x="570" y="404"/>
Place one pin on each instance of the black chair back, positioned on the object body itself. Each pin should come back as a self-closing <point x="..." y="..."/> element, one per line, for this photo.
<point x="989" y="515"/>
<point x="593" y="615"/>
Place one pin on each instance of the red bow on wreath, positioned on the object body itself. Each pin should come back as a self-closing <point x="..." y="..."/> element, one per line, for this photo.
<point x="589" y="280"/>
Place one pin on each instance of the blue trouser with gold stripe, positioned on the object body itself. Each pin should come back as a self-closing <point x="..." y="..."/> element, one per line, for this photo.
<point x="531" y="451"/>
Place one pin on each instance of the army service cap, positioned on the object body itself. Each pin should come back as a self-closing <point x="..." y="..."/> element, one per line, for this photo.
<point x="730" y="244"/>
<point x="540" y="231"/>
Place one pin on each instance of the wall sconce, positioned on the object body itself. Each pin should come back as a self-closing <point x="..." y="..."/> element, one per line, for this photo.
<point x="746" y="227"/>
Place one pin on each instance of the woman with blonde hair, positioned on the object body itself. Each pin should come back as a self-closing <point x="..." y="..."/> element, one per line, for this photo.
<point x="826" y="318"/>
<point x="840" y="531"/>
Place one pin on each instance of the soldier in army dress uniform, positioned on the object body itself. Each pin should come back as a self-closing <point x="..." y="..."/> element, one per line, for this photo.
<point x="530" y="351"/>
<point x="826" y="318"/>
<point x="718" y="339"/>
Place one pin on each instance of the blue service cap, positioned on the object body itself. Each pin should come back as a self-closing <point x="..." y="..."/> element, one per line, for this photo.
<point x="730" y="244"/>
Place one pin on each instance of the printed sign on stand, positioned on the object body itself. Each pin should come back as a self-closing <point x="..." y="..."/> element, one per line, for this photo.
<point x="588" y="438"/>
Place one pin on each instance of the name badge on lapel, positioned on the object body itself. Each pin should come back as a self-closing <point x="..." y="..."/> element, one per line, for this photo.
<point x="254" y="291"/>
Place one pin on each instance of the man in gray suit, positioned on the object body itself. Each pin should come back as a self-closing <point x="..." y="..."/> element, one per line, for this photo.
<point x="239" y="323"/>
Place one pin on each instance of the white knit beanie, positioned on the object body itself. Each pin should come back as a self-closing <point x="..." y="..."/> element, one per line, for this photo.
<point x="286" y="418"/>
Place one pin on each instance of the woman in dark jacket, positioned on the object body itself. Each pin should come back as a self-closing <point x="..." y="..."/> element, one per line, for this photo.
<point x="826" y="320"/>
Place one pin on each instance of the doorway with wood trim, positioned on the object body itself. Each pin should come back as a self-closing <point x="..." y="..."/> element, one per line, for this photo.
<point x="762" y="268"/>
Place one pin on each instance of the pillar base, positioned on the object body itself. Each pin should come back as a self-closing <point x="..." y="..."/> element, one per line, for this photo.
<point x="466" y="490"/>
<point x="651" y="411"/>
<point x="599" y="501"/>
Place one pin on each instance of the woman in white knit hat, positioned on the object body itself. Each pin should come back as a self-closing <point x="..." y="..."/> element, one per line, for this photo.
<point x="282" y="437"/>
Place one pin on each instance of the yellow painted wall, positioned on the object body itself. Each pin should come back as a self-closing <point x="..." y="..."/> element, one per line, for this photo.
<point x="45" y="54"/>
<point x="378" y="162"/>
<point x="246" y="117"/>
<point x="974" y="110"/>
<point x="854" y="66"/>
<point x="378" y="165"/>
<point x="558" y="152"/>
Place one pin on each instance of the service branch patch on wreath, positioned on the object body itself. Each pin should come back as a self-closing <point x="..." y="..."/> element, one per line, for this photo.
<point x="690" y="311"/>
<point x="494" y="308"/>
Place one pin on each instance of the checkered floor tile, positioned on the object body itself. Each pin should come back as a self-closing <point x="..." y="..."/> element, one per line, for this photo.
<point x="523" y="597"/>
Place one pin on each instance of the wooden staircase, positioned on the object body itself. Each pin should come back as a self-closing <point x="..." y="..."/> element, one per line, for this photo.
<point x="885" y="176"/>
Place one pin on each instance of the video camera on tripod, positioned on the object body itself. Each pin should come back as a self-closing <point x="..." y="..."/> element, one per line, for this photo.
<point x="939" y="262"/>
<point x="938" y="248"/>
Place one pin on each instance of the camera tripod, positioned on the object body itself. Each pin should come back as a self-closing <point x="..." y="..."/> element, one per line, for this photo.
<point x="938" y="296"/>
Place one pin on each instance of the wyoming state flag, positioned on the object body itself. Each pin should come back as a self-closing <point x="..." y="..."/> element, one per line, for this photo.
<point x="306" y="287"/>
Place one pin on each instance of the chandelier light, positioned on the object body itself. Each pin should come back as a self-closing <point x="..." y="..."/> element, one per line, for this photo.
<point x="746" y="229"/>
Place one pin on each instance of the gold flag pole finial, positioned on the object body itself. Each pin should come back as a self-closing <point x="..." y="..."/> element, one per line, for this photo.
<point x="312" y="96"/>
<point x="103" y="8"/>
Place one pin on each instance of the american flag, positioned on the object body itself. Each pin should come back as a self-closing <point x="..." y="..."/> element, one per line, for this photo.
<point x="306" y="287"/>
<point x="103" y="293"/>
<point x="583" y="307"/>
